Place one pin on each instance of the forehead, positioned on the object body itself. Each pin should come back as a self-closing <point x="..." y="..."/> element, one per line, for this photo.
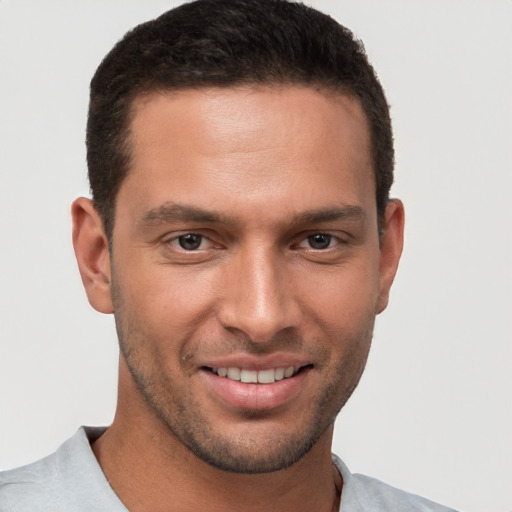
<point x="247" y="111"/>
<point x="282" y="143"/>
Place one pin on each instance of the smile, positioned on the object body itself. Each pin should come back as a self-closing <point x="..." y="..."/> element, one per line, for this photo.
<point x="246" y="387"/>
<point x="267" y="376"/>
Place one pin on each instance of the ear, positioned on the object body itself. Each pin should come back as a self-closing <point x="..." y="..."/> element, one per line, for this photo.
<point x="391" y="244"/>
<point x="91" y="251"/>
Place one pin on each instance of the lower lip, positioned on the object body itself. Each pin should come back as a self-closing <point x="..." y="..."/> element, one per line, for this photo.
<point x="255" y="396"/>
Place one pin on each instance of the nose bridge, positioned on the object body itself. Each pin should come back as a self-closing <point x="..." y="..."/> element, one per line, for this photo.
<point x="259" y="299"/>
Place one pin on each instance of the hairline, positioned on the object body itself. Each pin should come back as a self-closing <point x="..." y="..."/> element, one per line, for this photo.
<point x="144" y="92"/>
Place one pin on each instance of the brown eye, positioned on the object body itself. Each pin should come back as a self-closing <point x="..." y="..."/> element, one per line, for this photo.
<point x="319" y="241"/>
<point x="190" y="241"/>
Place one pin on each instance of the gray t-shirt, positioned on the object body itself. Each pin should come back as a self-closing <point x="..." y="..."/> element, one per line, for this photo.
<point x="71" y="480"/>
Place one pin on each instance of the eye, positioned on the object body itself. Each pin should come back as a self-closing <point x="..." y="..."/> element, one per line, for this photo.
<point x="188" y="247"/>
<point x="318" y="241"/>
<point x="190" y="241"/>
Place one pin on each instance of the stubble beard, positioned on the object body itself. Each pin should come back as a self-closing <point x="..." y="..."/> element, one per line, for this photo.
<point x="264" y="452"/>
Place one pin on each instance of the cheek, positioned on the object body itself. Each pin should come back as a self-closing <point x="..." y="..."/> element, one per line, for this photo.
<point x="162" y="301"/>
<point x="343" y="298"/>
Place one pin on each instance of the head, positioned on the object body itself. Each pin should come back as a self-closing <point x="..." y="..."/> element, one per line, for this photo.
<point x="240" y="157"/>
<point x="226" y="43"/>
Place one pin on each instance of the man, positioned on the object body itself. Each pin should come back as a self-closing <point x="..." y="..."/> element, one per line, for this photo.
<point x="240" y="158"/>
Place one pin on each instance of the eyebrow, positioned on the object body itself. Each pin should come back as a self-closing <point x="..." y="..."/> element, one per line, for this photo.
<point x="331" y="214"/>
<point x="174" y="212"/>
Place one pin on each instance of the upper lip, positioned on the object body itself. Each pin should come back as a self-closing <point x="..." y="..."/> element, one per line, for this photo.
<point x="252" y="362"/>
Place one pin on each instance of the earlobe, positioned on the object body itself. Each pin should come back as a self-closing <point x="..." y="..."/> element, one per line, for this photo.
<point x="391" y="244"/>
<point x="92" y="254"/>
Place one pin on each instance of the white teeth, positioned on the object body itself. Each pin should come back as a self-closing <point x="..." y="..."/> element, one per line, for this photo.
<point x="249" y="376"/>
<point x="279" y="374"/>
<point x="266" y="376"/>
<point x="233" y="373"/>
<point x="253" y="376"/>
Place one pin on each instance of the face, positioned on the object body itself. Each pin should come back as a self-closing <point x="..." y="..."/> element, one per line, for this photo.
<point x="246" y="268"/>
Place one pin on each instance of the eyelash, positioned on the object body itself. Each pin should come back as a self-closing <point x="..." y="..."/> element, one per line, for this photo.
<point x="330" y="238"/>
<point x="181" y="241"/>
<point x="177" y="240"/>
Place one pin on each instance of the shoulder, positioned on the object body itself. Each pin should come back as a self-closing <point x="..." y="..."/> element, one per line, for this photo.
<point x="365" y="494"/>
<point x="68" y="480"/>
<point x="22" y="488"/>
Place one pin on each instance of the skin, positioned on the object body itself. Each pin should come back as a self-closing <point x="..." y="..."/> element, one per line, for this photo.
<point x="289" y="268"/>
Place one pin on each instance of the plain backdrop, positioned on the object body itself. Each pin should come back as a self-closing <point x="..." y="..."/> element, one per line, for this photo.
<point x="433" y="412"/>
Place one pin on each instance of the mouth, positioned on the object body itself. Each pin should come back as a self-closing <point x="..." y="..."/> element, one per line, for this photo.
<point x="255" y="385"/>
<point x="265" y="376"/>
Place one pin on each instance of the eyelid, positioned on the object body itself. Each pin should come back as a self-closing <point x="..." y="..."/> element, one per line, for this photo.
<point x="338" y="238"/>
<point x="173" y="240"/>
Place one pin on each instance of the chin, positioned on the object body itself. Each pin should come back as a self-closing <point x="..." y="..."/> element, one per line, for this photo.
<point x="251" y="453"/>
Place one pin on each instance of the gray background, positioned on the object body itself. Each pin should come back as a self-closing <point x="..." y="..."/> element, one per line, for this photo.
<point x="433" y="412"/>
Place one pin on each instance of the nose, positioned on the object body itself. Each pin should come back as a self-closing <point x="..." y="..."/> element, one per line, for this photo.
<point x="258" y="297"/>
